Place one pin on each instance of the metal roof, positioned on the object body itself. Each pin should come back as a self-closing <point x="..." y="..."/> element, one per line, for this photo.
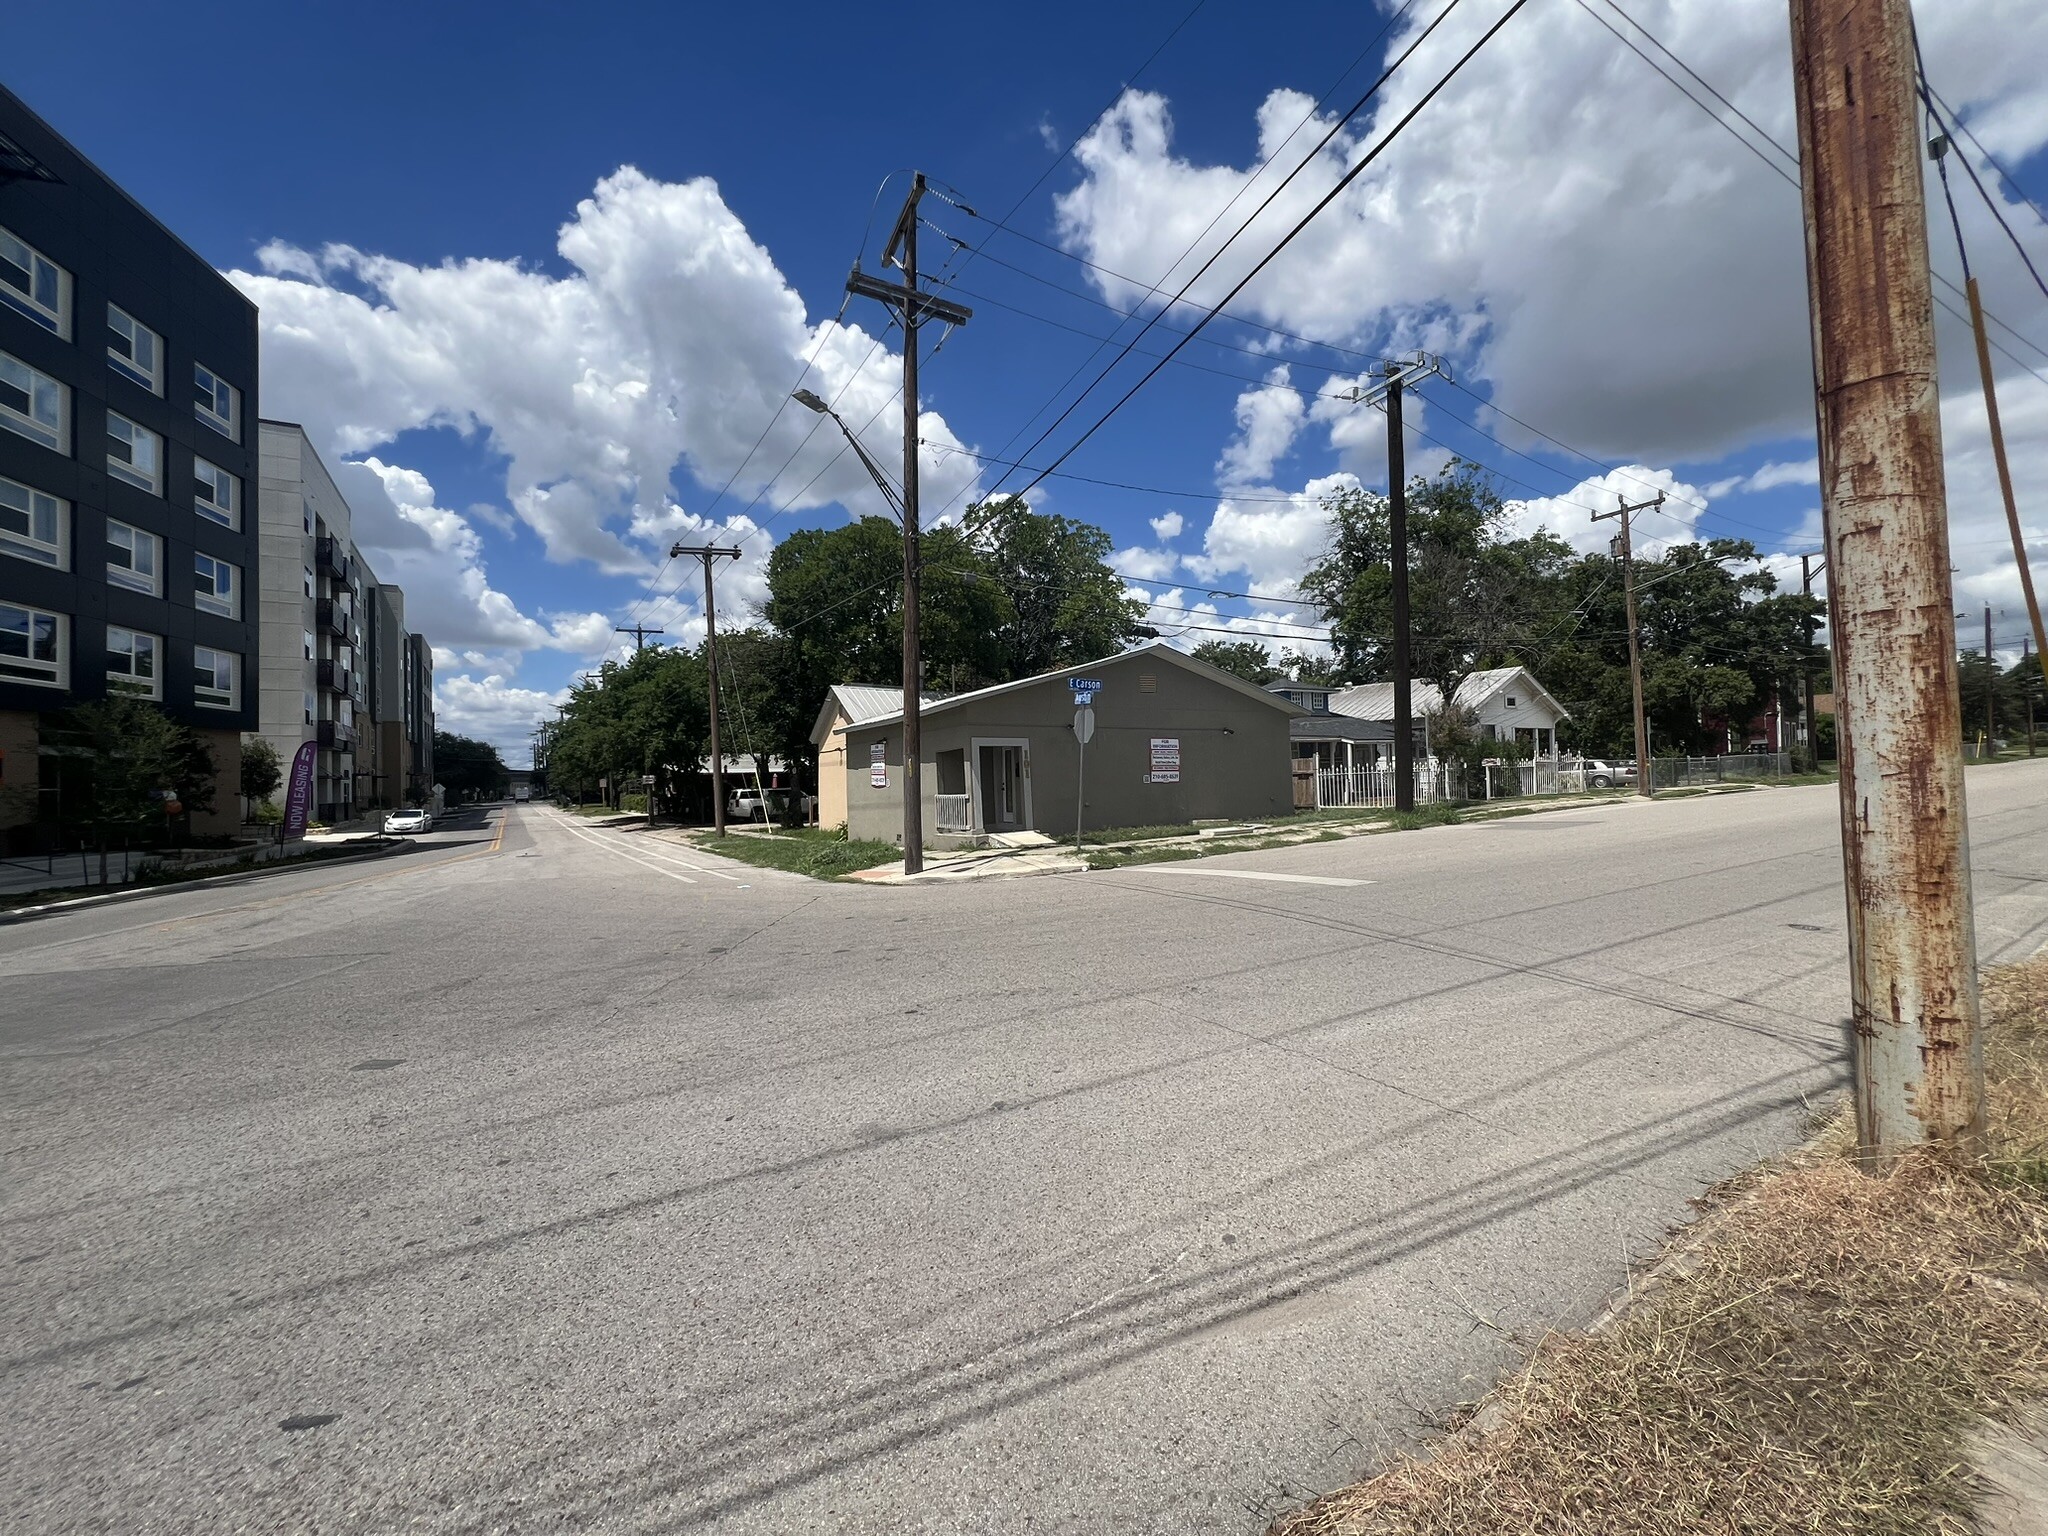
<point x="1375" y="701"/>
<point x="858" y="703"/>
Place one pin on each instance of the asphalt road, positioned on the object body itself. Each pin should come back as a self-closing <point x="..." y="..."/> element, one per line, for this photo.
<point x="555" y="1179"/>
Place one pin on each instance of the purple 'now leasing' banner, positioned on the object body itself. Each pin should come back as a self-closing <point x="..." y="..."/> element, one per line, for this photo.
<point x="298" y="796"/>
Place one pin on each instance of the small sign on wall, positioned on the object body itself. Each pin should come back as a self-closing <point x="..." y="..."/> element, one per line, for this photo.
<point x="1165" y="760"/>
<point x="878" y="766"/>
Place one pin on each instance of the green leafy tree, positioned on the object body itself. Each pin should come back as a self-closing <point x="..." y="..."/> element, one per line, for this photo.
<point x="262" y="769"/>
<point x="1247" y="659"/>
<point x="1067" y="606"/>
<point x="469" y="769"/>
<point x="836" y="595"/>
<point x="647" y="714"/>
<point x="121" y="763"/>
<point x="1475" y="596"/>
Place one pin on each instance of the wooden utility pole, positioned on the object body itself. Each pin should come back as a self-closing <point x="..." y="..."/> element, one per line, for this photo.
<point x="639" y="632"/>
<point x="1807" y="571"/>
<point x="2012" y="510"/>
<point x="1919" y="1066"/>
<point x="1645" y="770"/>
<point x="710" y="554"/>
<point x="1397" y="533"/>
<point x="1990" y="691"/>
<point x="911" y="308"/>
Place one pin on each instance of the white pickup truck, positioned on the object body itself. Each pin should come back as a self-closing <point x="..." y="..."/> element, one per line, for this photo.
<point x="754" y="804"/>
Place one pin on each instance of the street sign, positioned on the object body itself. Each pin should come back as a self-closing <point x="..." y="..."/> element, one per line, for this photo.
<point x="1084" y="724"/>
<point x="1085" y="689"/>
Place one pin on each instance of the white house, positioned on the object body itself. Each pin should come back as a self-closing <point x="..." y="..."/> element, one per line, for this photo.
<point x="1509" y="704"/>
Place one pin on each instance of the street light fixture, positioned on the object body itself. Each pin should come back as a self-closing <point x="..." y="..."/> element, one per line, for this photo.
<point x="810" y="400"/>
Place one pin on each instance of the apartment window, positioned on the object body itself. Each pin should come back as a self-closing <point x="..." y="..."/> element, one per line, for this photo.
<point x="309" y="706"/>
<point x="131" y="663"/>
<point x="308" y="519"/>
<point x="134" y="351"/>
<point x="218" y="676"/>
<point x="33" y="524"/>
<point x="217" y="402"/>
<point x="216" y="494"/>
<point x="308" y="634"/>
<point x="131" y="559"/>
<point x="309" y="581"/>
<point x="31" y="646"/>
<point x="216" y="587"/>
<point x="34" y="404"/>
<point x="135" y="454"/>
<point x="34" y="284"/>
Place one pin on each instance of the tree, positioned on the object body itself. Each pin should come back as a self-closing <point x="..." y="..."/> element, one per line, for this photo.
<point x="1247" y="659"/>
<point x="262" y="770"/>
<point x="1475" y="596"/>
<point x="1067" y="605"/>
<point x="121" y="763"/>
<point x="469" y="769"/>
<point x="836" y="594"/>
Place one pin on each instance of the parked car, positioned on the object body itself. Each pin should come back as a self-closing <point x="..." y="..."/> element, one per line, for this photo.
<point x="753" y="804"/>
<point x="1605" y="775"/>
<point x="415" y="819"/>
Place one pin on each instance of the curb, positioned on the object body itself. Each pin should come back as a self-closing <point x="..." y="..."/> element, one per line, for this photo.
<point x="171" y="888"/>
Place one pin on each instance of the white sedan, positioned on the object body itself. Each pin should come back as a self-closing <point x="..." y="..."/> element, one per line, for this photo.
<point x="414" y="820"/>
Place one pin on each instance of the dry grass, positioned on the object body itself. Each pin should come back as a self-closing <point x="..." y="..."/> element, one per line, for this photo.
<point x="1810" y="1361"/>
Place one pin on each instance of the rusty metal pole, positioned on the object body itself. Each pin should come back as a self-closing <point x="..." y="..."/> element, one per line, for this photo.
<point x="1918" y="1054"/>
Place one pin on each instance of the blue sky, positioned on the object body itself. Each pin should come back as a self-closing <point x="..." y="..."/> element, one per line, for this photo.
<point x="545" y="370"/>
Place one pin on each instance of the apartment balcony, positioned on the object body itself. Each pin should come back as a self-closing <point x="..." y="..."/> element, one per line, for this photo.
<point x="336" y="678"/>
<point x="333" y="617"/>
<point x="336" y="737"/>
<point x="330" y="558"/>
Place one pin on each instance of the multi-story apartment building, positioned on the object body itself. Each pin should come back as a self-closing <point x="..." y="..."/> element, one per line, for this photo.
<point x="127" y="434"/>
<point x="339" y="667"/>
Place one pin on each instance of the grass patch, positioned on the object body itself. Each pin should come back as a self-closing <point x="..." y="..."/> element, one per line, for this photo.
<point x="1138" y="834"/>
<point x="1810" y="1362"/>
<point x="1435" y="814"/>
<point x="817" y="852"/>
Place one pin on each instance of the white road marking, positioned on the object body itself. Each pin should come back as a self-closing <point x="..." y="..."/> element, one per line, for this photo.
<point x="605" y="847"/>
<point x="1238" y="874"/>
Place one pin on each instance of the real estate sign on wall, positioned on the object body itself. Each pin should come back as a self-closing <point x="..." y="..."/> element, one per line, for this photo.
<point x="878" y="766"/>
<point x="1165" y="760"/>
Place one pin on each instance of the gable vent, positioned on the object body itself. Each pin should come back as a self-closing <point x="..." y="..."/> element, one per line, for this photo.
<point x="1148" y="682"/>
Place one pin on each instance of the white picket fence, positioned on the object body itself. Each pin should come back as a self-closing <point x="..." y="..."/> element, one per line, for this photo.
<point x="1356" y="788"/>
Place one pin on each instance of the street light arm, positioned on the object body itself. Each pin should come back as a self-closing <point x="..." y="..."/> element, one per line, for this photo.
<point x="812" y="402"/>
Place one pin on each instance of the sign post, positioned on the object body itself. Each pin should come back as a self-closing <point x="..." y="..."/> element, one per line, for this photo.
<point x="1084" y="728"/>
<point x="1084" y="690"/>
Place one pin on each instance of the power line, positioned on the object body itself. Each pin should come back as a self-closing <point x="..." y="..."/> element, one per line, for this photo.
<point x="1342" y="182"/>
<point x="1788" y="177"/>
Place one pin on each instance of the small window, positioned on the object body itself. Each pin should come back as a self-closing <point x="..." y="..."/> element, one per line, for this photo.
<point x="1511" y="701"/>
<point x="34" y="284"/>
<point x="309" y="581"/>
<point x="131" y="559"/>
<point x="215" y="587"/>
<point x="34" y="525"/>
<point x="135" y="454"/>
<point x="217" y="677"/>
<point x="34" y="404"/>
<point x="309" y="522"/>
<point x="31" y="646"/>
<point x="308" y="635"/>
<point x="217" y="402"/>
<point x="134" y="351"/>
<point x="131" y="663"/>
<point x="216" y="494"/>
<point x="309" y="706"/>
